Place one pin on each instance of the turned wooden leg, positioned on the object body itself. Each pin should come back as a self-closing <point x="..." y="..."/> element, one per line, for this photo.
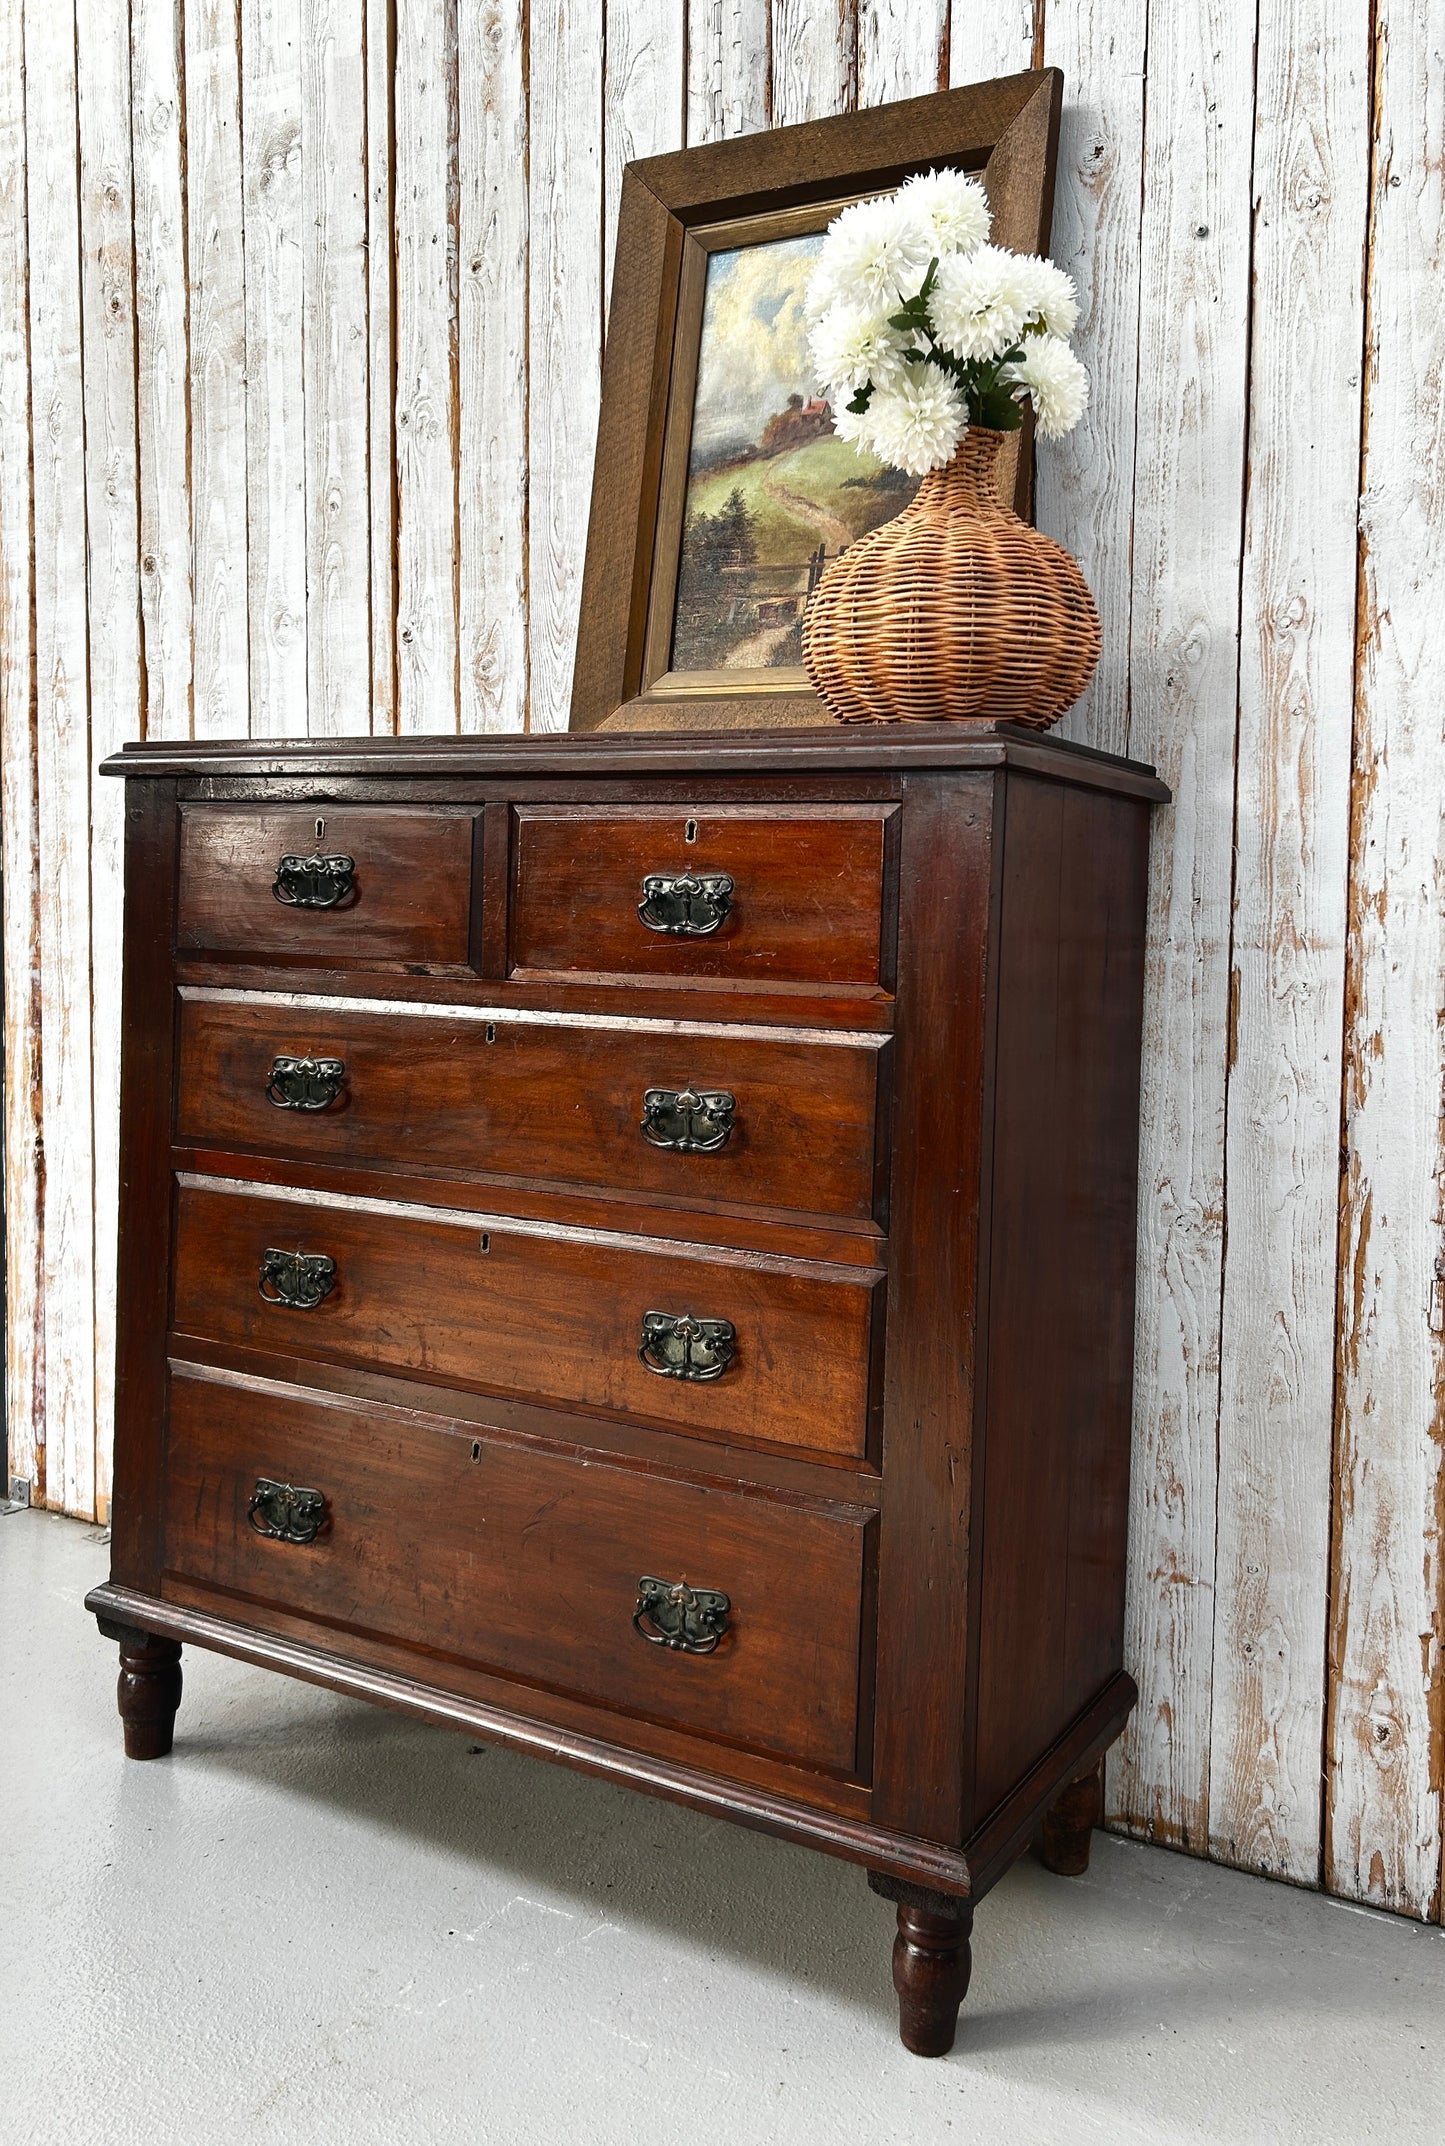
<point x="932" y="1962"/>
<point x="148" y="1693"/>
<point x="1065" y="1832"/>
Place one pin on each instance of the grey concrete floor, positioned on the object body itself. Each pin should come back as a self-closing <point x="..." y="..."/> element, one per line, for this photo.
<point x="316" y="1922"/>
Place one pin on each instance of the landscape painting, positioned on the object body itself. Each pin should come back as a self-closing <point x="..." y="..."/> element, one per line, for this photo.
<point x="772" y="494"/>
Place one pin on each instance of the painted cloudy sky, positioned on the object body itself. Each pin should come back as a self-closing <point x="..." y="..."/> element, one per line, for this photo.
<point x="754" y="344"/>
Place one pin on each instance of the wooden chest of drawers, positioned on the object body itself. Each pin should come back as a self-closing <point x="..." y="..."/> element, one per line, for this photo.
<point x="627" y="1246"/>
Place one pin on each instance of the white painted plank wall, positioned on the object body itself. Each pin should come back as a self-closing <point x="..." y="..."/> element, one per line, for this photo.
<point x="352" y="448"/>
<point x="1386" y="1746"/>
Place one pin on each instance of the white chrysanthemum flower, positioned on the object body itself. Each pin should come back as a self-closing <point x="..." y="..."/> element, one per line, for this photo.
<point x="1055" y="382"/>
<point x="979" y="303"/>
<point x="952" y="210"/>
<point x="916" y="423"/>
<point x="856" y="428"/>
<point x="852" y="345"/>
<point x="1048" y="293"/>
<point x="875" y="254"/>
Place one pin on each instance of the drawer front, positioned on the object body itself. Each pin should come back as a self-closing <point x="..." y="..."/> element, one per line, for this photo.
<point x="264" y="884"/>
<point x="783" y="896"/>
<point x="554" y="1318"/>
<point x="527" y="1561"/>
<point x="780" y="1125"/>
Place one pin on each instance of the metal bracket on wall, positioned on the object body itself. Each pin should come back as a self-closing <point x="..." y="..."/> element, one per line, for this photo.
<point x="19" y="1495"/>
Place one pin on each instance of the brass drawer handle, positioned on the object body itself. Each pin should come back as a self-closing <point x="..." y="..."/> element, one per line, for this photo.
<point x="677" y="1346"/>
<point x="284" y="1513"/>
<point x="298" y="1280"/>
<point x="687" y="905"/>
<point x="305" y="1083"/>
<point x="313" y="882"/>
<point x="669" y="1613"/>
<point x="690" y="1121"/>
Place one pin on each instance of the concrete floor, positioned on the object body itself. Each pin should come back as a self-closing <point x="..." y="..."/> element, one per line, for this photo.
<point x="318" y="1923"/>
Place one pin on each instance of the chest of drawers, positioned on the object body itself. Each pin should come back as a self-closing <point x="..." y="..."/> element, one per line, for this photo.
<point x="627" y="1247"/>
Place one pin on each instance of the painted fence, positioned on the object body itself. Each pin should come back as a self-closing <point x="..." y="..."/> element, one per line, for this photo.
<point x="301" y="311"/>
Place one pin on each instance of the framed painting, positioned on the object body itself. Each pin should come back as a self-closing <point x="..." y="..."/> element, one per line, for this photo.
<point x="720" y="491"/>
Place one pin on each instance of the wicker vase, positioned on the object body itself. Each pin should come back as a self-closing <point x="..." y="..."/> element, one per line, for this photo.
<point x="955" y="609"/>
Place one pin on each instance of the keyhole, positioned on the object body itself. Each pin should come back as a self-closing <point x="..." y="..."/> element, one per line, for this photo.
<point x="486" y="1241"/>
<point x="491" y="1031"/>
<point x="320" y="831"/>
<point x="689" y="833"/>
<point x="476" y="1449"/>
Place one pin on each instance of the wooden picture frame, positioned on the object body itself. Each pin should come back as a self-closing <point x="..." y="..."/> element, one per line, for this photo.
<point x="674" y="211"/>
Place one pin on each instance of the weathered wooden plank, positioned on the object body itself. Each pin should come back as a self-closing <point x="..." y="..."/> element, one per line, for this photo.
<point x="492" y="438"/>
<point x="113" y="621"/>
<point x="1084" y="483"/>
<point x="1185" y="620"/>
<point x="1000" y="37"/>
<point x="727" y="68"/>
<point x="1311" y="162"/>
<point x="815" y="59"/>
<point x="163" y="366"/>
<point x="24" y="1296"/>
<point x="63" y="717"/>
<point x="902" y="49"/>
<point x="334" y="300"/>
<point x="564" y="331"/>
<point x="271" y="41"/>
<point x="1387" y="1716"/>
<point x="643" y="99"/>
<point x="215" y="242"/>
<point x="380" y="66"/>
<point x="427" y="363"/>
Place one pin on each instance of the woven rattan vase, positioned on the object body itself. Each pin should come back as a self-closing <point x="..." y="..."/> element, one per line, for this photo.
<point x="954" y="609"/>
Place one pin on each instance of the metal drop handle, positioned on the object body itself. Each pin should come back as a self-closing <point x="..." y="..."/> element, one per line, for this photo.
<point x="308" y="1084"/>
<point x="284" y="1513"/>
<point x="690" y="1121"/>
<point x="669" y="1613"/>
<point x="677" y="1346"/>
<point x="313" y="882"/>
<point x="299" y="1280"/>
<point x="686" y="905"/>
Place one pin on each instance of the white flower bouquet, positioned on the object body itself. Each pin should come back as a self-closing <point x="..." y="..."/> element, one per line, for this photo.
<point x="919" y="328"/>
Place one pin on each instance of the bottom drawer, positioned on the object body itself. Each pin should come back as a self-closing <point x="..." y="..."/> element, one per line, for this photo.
<point x="529" y="1561"/>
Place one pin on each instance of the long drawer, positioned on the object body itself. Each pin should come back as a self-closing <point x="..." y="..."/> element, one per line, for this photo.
<point x="558" y="1316"/>
<point x="764" y="895"/>
<point x="528" y="1561"/>
<point x="692" y="1116"/>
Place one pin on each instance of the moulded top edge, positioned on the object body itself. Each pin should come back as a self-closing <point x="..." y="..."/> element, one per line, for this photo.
<point x="645" y="753"/>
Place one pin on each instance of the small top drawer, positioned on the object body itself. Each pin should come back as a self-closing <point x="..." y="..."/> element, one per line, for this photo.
<point x="382" y="888"/>
<point x="767" y="894"/>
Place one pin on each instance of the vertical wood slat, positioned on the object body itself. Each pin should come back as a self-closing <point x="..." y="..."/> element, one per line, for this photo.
<point x="24" y="1232"/>
<point x="1000" y="37"/>
<point x="216" y="269"/>
<point x="162" y="365"/>
<point x="335" y="368"/>
<point x="564" y="331"/>
<point x="63" y="720"/>
<point x="1386" y="1743"/>
<point x="426" y="343"/>
<point x="902" y="49"/>
<point x="727" y="68"/>
<point x="814" y="59"/>
<point x="1185" y="620"/>
<point x="380" y="84"/>
<point x="1311" y="160"/>
<point x="276" y="492"/>
<point x="1084" y="483"/>
<point x="113" y="611"/>
<point x="492" y="323"/>
<point x="644" y="95"/>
